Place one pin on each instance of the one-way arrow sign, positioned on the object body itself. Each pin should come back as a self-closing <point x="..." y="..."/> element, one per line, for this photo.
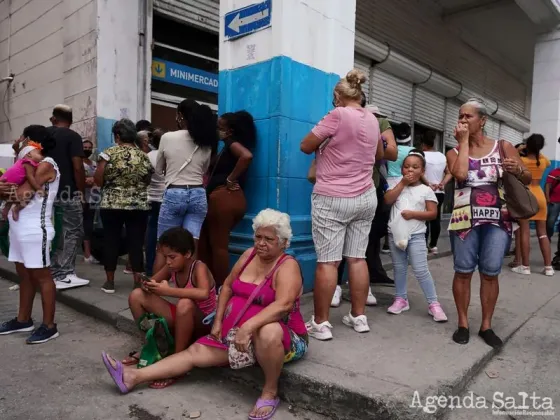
<point x="248" y="20"/>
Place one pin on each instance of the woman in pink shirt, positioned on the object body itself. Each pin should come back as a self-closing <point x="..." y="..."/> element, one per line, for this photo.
<point x="346" y="143"/>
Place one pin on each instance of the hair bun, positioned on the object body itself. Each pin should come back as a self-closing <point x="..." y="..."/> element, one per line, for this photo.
<point x="356" y="78"/>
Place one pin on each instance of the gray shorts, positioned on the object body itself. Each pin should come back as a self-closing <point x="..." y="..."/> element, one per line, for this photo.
<point x="341" y="225"/>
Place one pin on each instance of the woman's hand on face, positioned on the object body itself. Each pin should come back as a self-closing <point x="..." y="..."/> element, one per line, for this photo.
<point x="462" y="132"/>
<point x="159" y="289"/>
<point x="511" y="166"/>
<point x="242" y="339"/>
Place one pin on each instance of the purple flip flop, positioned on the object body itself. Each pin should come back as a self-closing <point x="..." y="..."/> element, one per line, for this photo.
<point x="266" y="403"/>
<point x="116" y="373"/>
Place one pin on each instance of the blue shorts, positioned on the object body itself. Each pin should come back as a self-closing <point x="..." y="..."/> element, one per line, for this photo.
<point x="183" y="207"/>
<point x="485" y="246"/>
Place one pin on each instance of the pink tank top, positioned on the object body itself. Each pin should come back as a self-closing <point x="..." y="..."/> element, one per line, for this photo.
<point x="206" y="306"/>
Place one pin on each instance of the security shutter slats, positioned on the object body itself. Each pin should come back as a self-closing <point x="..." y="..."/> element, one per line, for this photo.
<point x="429" y="109"/>
<point x="451" y="118"/>
<point x="364" y="64"/>
<point x="392" y="95"/>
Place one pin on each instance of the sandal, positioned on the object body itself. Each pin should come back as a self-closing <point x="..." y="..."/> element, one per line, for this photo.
<point x="116" y="371"/>
<point x="132" y="359"/>
<point x="266" y="403"/>
<point x="163" y="383"/>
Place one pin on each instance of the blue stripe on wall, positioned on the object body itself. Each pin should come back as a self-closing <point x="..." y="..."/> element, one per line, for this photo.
<point x="104" y="135"/>
<point x="287" y="99"/>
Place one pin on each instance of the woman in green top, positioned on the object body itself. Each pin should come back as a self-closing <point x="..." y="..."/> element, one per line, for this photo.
<point x="124" y="173"/>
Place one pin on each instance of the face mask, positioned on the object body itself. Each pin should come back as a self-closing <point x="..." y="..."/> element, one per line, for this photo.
<point x="88" y="153"/>
<point x="223" y="134"/>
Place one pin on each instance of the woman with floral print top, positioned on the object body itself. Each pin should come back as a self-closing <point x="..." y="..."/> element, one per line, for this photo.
<point x="124" y="173"/>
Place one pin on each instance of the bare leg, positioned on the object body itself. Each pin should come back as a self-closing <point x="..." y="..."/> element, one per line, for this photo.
<point x="176" y="365"/>
<point x="326" y="275"/>
<point x="462" y="296"/>
<point x="544" y="242"/>
<point x="269" y="352"/>
<point x="184" y="324"/>
<point x="87" y="248"/>
<point x="43" y="278"/>
<point x="517" y="258"/>
<point x="359" y="285"/>
<point x="26" y="293"/>
<point x="524" y="232"/>
<point x="141" y="302"/>
<point x="159" y="262"/>
<point x="489" y="290"/>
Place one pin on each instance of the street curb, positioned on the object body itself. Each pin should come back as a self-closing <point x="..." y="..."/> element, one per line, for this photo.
<point x="328" y="399"/>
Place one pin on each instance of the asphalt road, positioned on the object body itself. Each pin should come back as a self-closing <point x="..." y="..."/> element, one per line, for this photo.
<point x="66" y="379"/>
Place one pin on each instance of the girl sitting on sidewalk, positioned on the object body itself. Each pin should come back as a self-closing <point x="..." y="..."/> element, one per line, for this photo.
<point x="416" y="202"/>
<point x="194" y="286"/>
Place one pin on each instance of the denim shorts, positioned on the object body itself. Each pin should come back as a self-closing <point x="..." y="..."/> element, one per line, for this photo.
<point x="183" y="207"/>
<point x="485" y="246"/>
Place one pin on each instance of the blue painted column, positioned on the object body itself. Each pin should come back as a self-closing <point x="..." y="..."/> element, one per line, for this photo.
<point x="284" y="76"/>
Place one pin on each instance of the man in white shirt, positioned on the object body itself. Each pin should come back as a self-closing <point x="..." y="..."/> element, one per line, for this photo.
<point x="437" y="176"/>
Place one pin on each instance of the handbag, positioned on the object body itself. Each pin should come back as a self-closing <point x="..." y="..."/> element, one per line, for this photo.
<point x="520" y="201"/>
<point x="239" y="359"/>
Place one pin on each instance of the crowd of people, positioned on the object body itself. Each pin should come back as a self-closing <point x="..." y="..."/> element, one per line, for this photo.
<point x="170" y="200"/>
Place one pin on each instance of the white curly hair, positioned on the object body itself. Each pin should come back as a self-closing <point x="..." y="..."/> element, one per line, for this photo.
<point x="276" y="219"/>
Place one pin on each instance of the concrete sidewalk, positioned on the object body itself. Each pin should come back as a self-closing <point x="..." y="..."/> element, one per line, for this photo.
<point x="372" y="375"/>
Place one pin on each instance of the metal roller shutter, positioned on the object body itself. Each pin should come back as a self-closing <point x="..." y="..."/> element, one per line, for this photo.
<point x="511" y="134"/>
<point x="392" y="95"/>
<point x="451" y="117"/>
<point x="429" y="109"/>
<point x="492" y="128"/>
<point x="364" y="64"/>
<point x="201" y="13"/>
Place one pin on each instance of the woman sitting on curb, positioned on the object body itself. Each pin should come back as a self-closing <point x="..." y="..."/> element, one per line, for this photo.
<point x="194" y="286"/>
<point x="272" y="322"/>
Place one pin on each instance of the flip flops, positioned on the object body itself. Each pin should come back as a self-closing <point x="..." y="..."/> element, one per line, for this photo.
<point x="116" y="372"/>
<point x="266" y="403"/>
<point x="133" y="359"/>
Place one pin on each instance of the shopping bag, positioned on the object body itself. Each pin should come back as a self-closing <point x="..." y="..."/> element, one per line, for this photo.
<point x="159" y="340"/>
<point x="401" y="229"/>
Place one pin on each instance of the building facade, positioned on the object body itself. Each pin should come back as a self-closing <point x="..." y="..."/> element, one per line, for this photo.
<point x="139" y="58"/>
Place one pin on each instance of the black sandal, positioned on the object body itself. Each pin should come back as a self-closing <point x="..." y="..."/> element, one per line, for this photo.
<point x="491" y="338"/>
<point x="461" y="336"/>
<point x="135" y="359"/>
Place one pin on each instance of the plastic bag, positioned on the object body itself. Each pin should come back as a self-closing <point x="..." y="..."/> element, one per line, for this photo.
<point x="401" y="229"/>
<point x="159" y="340"/>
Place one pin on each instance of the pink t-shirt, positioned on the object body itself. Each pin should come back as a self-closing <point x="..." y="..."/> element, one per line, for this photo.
<point x="345" y="164"/>
<point x="16" y="173"/>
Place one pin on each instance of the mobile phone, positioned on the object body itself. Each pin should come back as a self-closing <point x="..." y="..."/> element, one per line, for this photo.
<point x="145" y="278"/>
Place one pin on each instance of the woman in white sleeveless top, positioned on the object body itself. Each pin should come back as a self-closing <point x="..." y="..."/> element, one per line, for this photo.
<point x="30" y="243"/>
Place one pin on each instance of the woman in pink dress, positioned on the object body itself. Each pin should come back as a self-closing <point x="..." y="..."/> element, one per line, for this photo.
<point x="272" y="322"/>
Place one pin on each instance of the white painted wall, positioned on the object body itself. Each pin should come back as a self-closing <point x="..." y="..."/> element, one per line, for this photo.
<point x="545" y="104"/>
<point x="117" y="59"/>
<point x="50" y="46"/>
<point x="319" y="33"/>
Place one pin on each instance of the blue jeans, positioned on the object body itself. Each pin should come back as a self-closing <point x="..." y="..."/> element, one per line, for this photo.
<point x="152" y="237"/>
<point x="484" y="246"/>
<point x="417" y="253"/>
<point x="183" y="207"/>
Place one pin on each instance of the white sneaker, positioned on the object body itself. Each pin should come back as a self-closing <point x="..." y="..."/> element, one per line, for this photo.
<point x="359" y="323"/>
<point x="433" y="250"/>
<point x="371" y="300"/>
<point x="521" y="269"/>
<point x="335" y="303"/>
<point x="548" y="271"/>
<point x="71" y="281"/>
<point x="320" y="331"/>
<point x="90" y="260"/>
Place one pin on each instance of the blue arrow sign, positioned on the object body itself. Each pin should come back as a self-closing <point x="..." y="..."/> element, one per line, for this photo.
<point x="247" y="20"/>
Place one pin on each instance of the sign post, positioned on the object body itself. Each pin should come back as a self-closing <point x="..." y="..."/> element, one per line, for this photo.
<point x="248" y="19"/>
